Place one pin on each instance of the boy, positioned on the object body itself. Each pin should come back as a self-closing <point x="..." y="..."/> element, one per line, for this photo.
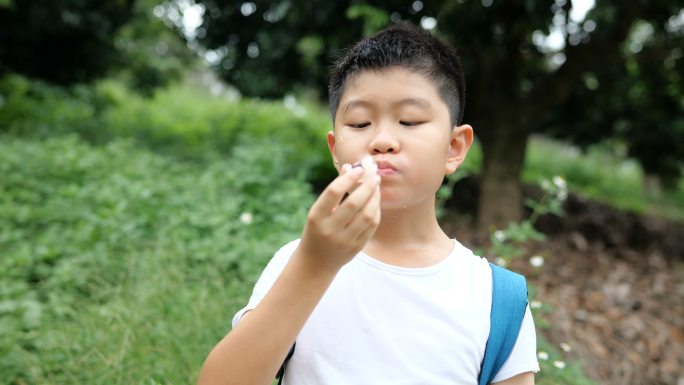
<point x="375" y="292"/>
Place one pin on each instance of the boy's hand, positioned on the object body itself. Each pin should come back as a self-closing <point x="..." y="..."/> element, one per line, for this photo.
<point x="337" y="228"/>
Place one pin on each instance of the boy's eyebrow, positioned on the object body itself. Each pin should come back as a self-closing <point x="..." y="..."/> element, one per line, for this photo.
<point x="419" y="102"/>
<point x="357" y="103"/>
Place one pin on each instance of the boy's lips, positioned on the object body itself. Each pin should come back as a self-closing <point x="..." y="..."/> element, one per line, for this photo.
<point x="385" y="168"/>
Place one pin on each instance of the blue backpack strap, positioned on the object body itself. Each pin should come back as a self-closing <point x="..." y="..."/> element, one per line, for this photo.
<point x="509" y="301"/>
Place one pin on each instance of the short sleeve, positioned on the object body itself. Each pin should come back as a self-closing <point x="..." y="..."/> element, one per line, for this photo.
<point x="523" y="357"/>
<point x="268" y="277"/>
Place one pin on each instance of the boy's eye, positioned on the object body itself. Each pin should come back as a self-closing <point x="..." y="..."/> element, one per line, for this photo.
<point x="409" y="124"/>
<point x="359" y="125"/>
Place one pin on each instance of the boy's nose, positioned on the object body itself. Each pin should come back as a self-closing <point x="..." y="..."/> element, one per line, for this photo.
<point x="384" y="141"/>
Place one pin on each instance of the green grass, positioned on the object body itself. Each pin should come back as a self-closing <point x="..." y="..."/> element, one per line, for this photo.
<point x="122" y="266"/>
<point x="601" y="175"/>
<point x="597" y="174"/>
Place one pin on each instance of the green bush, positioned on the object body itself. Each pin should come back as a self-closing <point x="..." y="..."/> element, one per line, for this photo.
<point x="600" y="174"/>
<point x="31" y="107"/>
<point x="121" y="265"/>
<point x="182" y="121"/>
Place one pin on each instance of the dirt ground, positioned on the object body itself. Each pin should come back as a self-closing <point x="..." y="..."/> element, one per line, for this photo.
<point x="615" y="282"/>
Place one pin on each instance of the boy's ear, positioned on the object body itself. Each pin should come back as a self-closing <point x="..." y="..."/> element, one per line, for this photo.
<point x="459" y="144"/>
<point x="331" y="147"/>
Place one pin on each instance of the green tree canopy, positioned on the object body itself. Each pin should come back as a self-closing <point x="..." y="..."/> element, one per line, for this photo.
<point x="62" y="41"/>
<point x="75" y="41"/>
<point x="639" y="102"/>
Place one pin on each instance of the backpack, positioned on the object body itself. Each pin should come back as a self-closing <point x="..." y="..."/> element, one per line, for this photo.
<point x="509" y="301"/>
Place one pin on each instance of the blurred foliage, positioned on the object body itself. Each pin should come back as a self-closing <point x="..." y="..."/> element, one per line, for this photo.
<point x="62" y="41"/>
<point x="114" y="256"/>
<point x="506" y="244"/>
<point x="150" y="55"/>
<point x="641" y="103"/>
<point x="601" y="173"/>
<point x="268" y="48"/>
<point x="73" y="41"/>
<point x="183" y="121"/>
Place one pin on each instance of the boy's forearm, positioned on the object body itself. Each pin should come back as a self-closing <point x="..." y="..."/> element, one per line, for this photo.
<point x="253" y="352"/>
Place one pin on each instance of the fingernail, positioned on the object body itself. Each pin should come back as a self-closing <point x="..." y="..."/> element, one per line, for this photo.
<point x="345" y="168"/>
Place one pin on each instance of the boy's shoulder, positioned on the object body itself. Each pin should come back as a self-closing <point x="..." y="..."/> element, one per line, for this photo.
<point x="468" y="256"/>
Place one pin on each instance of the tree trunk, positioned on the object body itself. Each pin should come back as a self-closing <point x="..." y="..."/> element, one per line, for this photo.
<point x="500" y="188"/>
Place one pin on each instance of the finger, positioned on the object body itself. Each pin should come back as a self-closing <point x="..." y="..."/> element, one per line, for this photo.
<point x="332" y="195"/>
<point x="366" y="222"/>
<point x="345" y="168"/>
<point x="356" y="201"/>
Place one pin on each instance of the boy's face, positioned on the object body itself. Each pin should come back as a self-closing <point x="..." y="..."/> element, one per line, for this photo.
<point x="397" y="116"/>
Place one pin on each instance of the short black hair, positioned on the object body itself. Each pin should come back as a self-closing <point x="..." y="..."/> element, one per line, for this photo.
<point x="405" y="45"/>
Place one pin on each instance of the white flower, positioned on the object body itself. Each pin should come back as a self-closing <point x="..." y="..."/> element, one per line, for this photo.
<point x="562" y="195"/>
<point x="499" y="235"/>
<point x="559" y="364"/>
<point x="535" y="304"/>
<point x="566" y="347"/>
<point x="501" y="262"/>
<point x="537" y="261"/>
<point x="246" y="218"/>
<point x="290" y="102"/>
<point x="542" y="355"/>
<point x="560" y="182"/>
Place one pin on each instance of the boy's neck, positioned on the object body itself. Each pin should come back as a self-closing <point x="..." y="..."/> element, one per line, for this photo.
<point x="409" y="237"/>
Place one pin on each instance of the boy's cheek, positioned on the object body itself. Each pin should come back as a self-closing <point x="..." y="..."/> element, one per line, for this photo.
<point x="346" y="152"/>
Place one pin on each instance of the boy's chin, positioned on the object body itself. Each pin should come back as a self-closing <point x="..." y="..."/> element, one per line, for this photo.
<point x="393" y="204"/>
<point x="391" y="201"/>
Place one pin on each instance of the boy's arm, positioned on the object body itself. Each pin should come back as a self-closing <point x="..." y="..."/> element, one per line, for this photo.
<point x="253" y="352"/>
<point x="526" y="378"/>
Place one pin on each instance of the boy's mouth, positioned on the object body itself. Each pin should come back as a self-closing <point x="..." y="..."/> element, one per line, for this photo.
<point x="385" y="171"/>
<point x="385" y="165"/>
<point x="369" y="166"/>
<point x="383" y="168"/>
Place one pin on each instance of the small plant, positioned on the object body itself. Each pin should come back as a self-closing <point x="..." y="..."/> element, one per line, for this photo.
<point x="506" y="243"/>
<point x="505" y="246"/>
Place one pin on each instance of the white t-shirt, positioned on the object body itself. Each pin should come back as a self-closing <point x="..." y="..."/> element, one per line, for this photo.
<point x="383" y="324"/>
